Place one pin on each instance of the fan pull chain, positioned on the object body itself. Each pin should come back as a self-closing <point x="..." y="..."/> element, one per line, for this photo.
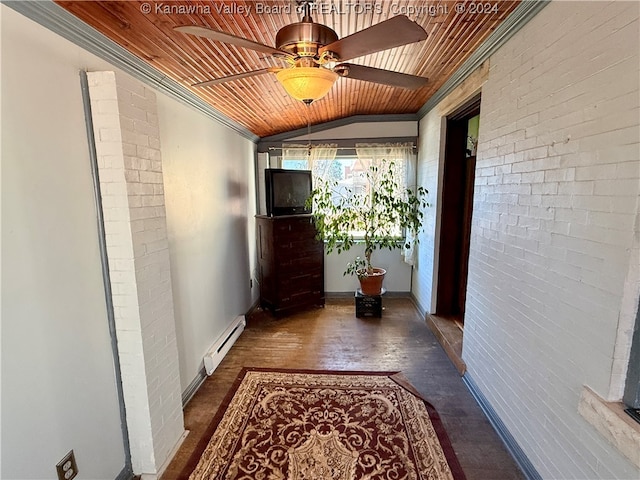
<point x="308" y="131"/>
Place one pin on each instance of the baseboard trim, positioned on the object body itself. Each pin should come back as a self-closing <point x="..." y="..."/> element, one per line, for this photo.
<point x="252" y="309"/>
<point x="352" y="293"/>
<point x="125" y="474"/>
<point x="421" y="310"/>
<point x="498" y="425"/>
<point x="172" y="454"/>
<point x="193" y="387"/>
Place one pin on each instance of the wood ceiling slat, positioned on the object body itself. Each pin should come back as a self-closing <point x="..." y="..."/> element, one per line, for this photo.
<point x="259" y="102"/>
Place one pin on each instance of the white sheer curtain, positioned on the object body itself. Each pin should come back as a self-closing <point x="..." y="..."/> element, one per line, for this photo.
<point x="404" y="159"/>
<point x="318" y="157"/>
<point x="295" y="152"/>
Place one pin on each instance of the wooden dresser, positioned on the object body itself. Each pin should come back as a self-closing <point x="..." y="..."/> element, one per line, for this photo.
<point x="290" y="262"/>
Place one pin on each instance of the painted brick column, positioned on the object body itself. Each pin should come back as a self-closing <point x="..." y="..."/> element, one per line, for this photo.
<point x="126" y="132"/>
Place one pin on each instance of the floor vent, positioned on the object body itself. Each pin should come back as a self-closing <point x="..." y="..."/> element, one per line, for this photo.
<point x="220" y="348"/>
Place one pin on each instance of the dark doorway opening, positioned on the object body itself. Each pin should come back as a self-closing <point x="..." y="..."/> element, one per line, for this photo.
<point x="631" y="396"/>
<point x="457" y="207"/>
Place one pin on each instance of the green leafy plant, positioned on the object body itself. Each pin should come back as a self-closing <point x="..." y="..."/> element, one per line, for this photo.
<point x="377" y="211"/>
<point x="357" y="267"/>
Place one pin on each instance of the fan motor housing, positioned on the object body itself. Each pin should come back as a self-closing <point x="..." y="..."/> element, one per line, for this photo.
<point x="304" y="38"/>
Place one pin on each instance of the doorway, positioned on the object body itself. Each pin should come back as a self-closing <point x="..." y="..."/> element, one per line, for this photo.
<point x="457" y="207"/>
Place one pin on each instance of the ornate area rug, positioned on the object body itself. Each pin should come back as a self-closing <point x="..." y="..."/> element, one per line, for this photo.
<point x="309" y="425"/>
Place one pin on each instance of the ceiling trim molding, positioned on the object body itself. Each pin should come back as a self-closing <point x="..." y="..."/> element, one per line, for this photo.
<point x="59" y="21"/>
<point x="341" y="122"/>
<point x="524" y="12"/>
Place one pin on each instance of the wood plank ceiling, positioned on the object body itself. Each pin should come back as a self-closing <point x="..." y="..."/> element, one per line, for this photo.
<point x="146" y="29"/>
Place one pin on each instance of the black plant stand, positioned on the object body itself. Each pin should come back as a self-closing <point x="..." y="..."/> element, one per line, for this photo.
<point x="368" y="305"/>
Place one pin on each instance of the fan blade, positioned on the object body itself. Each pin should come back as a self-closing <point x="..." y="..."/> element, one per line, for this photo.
<point x="229" y="78"/>
<point x="228" y="38"/>
<point x="395" y="32"/>
<point x="377" y="75"/>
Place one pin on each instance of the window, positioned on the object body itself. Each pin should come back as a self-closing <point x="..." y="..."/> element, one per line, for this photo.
<point x="349" y="172"/>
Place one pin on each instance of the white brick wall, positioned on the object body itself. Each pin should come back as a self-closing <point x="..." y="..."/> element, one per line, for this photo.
<point x="128" y="148"/>
<point x="555" y="215"/>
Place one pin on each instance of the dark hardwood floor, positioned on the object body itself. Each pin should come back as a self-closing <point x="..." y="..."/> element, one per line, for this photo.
<point x="332" y="338"/>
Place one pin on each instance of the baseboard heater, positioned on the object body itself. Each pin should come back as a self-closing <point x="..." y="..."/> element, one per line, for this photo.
<point x="220" y="348"/>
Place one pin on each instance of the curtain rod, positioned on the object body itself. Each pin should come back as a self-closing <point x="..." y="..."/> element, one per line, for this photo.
<point x="338" y="148"/>
<point x="339" y="142"/>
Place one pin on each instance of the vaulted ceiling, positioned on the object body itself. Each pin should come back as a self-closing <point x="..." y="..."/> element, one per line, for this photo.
<point x="259" y="103"/>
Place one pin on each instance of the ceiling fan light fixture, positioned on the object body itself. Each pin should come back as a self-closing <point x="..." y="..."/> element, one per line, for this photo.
<point x="307" y="84"/>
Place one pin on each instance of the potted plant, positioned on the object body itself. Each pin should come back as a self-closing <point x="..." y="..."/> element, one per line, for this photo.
<point x="377" y="211"/>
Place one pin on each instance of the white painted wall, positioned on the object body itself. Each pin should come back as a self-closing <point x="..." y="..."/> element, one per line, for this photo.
<point x="209" y="196"/>
<point x="58" y="385"/>
<point x="555" y="214"/>
<point x="397" y="278"/>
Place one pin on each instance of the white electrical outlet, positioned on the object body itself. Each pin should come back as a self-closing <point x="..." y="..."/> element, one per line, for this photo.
<point x="67" y="467"/>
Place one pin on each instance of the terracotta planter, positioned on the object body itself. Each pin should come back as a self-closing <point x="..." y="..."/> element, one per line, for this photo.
<point x="372" y="284"/>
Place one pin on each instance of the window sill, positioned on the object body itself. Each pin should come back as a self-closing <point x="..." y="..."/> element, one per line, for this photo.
<point x="610" y="419"/>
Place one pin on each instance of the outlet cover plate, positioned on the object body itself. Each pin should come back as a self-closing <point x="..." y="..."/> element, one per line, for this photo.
<point x="67" y="467"/>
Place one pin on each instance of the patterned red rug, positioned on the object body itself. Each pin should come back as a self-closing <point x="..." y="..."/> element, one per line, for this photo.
<point x="312" y="425"/>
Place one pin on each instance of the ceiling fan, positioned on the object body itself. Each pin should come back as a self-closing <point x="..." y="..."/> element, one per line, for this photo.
<point x="313" y="54"/>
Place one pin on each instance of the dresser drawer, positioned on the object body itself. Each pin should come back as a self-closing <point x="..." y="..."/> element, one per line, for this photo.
<point x="300" y="284"/>
<point x="302" y="280"/>
<point x="304" y="265"/>
<point x="297" y="249"/>
<point x="295" y="228"/>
